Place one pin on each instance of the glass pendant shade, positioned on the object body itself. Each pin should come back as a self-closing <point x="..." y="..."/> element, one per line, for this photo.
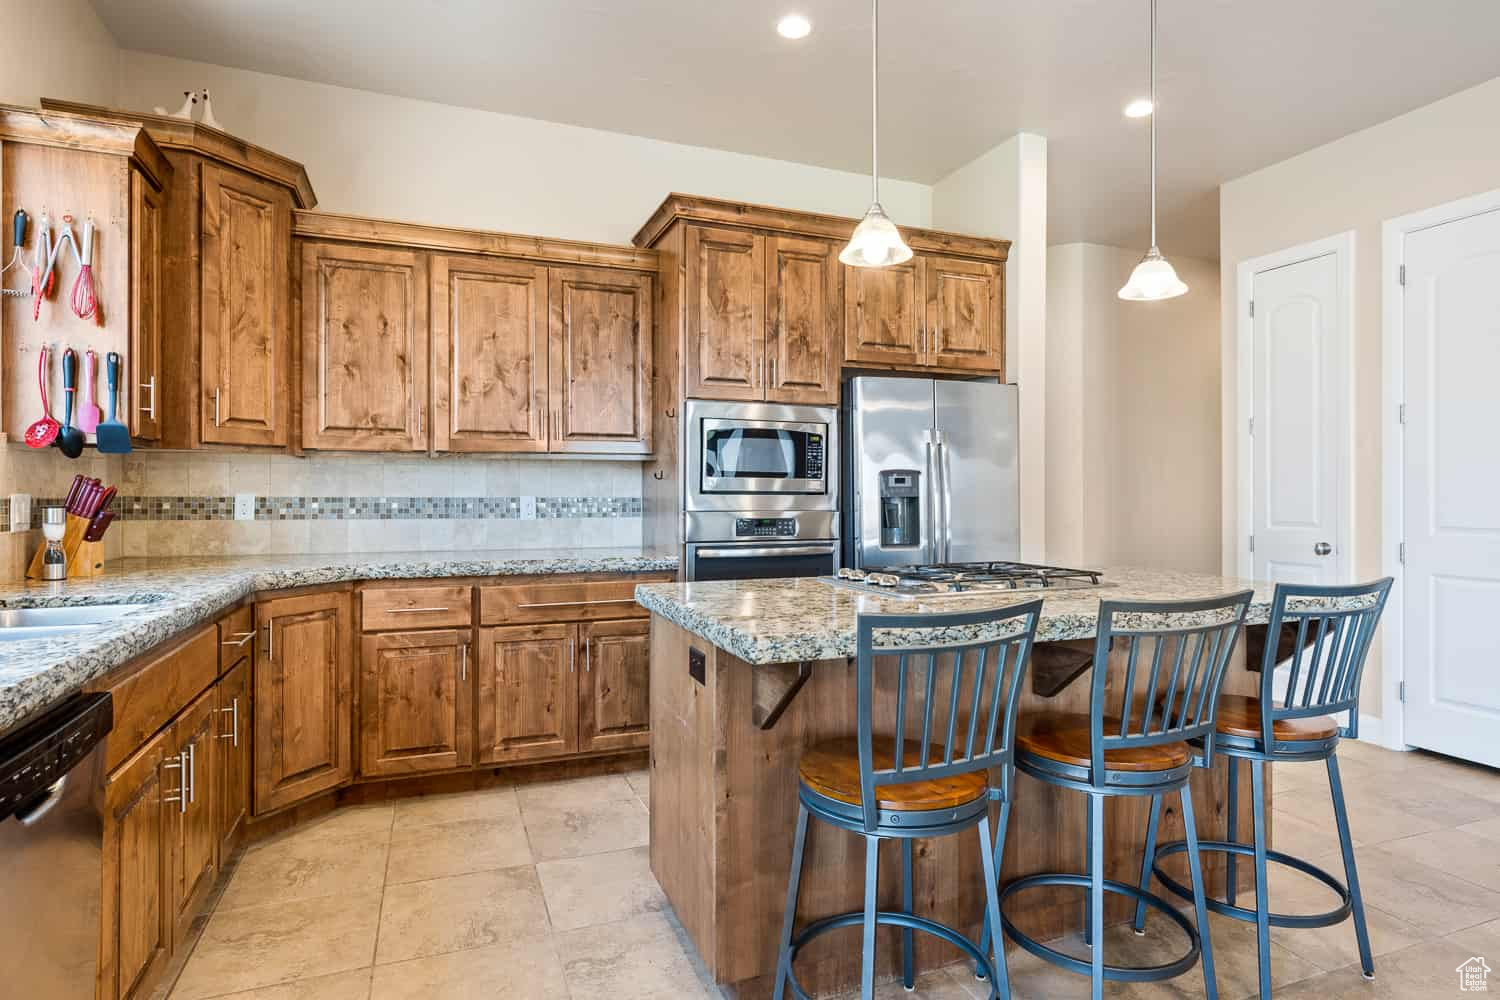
<point x="1152" y="279"/>
<point x="876" y="242"/>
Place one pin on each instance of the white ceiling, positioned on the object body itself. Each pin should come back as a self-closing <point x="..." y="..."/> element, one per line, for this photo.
<point x="1242" y="84"/>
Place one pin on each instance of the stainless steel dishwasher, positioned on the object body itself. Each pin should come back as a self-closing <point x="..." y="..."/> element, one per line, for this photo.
<point x="51" y="844"/>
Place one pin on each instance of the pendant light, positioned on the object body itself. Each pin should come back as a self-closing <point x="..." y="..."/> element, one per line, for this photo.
<point x="1153" y="278"/>
<point x="876" y="241"/>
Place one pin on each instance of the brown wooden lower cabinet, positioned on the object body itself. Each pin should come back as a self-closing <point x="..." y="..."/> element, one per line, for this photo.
<point x="193" y="818"/>
<point x="415" y="702"/>
<point x="232" y="755"/>
<point x="303" y="698"/>
<point x="614" y="711"/>
<point x="136" y="937"/>
<point x="527" y="694"/>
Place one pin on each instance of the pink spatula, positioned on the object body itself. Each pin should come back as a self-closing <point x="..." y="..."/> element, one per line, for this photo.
<point x="89" y="414"/>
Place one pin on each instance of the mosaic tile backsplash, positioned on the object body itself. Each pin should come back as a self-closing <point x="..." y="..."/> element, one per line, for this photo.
<point x="182" y="503"/>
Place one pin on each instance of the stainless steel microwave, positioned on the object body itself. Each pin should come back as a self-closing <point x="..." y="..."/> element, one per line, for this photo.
<point x="738" y="454"/>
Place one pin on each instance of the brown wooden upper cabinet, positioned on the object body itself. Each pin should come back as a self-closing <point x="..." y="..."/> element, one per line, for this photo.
<point x="142" y="377"/>
<point x="931" y="312"/>
<point x="883" y="321"/>
<point x="364" y="348"/>
<point x="303" y="698"/>
<point x="599" y="371"/>
<point x="762" y="317"/>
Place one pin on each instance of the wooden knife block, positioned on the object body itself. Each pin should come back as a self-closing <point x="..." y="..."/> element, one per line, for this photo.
<point x="85" y="559"/>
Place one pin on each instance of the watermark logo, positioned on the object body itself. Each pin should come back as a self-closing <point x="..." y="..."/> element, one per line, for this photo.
<point x="1473" y="976"/>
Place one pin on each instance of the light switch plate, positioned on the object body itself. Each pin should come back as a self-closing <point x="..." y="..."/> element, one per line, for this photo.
<point x="528" y="508"/>
<point x="20" y="511"/>
<point x="244" y="506"/>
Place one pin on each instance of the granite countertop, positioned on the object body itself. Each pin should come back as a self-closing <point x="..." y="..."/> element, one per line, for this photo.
<point x="185" y="592"/>
<point x="782" y="621"/>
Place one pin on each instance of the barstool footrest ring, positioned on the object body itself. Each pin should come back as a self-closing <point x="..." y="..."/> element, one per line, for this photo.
<point x="883" y="918"/>
<point x="1113" y="973"/>
<point x="1336" y="915"/>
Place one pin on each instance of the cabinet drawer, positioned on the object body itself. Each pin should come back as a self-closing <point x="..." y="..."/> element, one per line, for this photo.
<point x="149" y="697"/>
<point x="415" y="607"/>
<point x="587" y="600"/>
<point x="236" y="636"/>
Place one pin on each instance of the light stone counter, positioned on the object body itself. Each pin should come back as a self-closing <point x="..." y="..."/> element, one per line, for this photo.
<point x="185" y="592"/>
<point x="788" y="620"/>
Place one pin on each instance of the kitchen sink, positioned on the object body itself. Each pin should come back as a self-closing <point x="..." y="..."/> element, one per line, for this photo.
<point x="37" y="623"/>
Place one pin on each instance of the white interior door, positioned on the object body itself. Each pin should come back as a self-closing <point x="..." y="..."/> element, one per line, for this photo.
<point x="1299" y="414"/>
<point x="1451" y="491"/>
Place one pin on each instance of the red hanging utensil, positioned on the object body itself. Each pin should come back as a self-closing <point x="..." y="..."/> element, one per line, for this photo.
<point x="44" y="431"/>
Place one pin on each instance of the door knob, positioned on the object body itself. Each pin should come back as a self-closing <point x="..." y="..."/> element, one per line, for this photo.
<point x="1322" y="548"/>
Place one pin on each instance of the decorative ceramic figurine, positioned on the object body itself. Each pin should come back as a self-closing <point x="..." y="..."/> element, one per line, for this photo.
<point x="186" y="111"/>
<point x="208" y="112"/>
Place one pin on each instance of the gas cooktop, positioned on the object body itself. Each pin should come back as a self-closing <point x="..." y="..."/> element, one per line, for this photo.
<point x="960" y="579"/>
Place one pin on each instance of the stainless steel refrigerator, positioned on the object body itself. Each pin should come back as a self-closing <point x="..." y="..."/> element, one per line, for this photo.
<point x="931" y="472"/>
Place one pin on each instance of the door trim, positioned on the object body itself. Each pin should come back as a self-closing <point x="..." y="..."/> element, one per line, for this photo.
<point x="1393" y="233"/>
<point x="1341" y="246"/>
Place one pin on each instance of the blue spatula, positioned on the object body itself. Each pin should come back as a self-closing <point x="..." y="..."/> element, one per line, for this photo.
<point x="113" y="437"/>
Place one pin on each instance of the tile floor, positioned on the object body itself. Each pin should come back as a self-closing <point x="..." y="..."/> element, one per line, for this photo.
<point x="544" y="892"/>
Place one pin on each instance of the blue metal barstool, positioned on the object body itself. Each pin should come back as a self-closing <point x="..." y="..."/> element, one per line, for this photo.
<point x="1175" y="655"/>
<point x="960" y="696"/>
<point x="1334" y="630"/>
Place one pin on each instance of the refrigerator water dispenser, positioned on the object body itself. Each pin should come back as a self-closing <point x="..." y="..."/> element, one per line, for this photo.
<point x="900" y="508"/>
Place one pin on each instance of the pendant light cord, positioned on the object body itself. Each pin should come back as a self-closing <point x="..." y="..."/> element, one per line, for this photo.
<point x="1153" y="126"/>
<point x="875" y="100"/>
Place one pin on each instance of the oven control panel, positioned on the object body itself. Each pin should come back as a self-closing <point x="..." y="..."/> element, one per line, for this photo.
<point x="765" y="527"/>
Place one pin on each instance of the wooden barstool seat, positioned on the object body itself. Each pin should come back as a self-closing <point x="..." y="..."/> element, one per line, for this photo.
<point x="1239" y="715"/>
<point x="832" y="770"/>
<point x="1064" y="737"/>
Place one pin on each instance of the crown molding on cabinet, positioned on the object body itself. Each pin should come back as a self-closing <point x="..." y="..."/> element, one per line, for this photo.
<point x="66" y="130"/>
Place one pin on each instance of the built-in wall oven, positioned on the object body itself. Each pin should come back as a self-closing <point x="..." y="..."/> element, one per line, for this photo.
<point x="760" y="490"/>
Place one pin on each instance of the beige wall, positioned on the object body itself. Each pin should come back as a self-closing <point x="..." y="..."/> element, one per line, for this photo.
<point x="55" y="48"/>
<point x="372" y="154"/>
<point x="1132" y="415"/>
<point x="1439" y="153"/>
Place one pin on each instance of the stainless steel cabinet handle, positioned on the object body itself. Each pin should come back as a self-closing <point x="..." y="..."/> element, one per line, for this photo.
<point x="787" y="550"/>
<point x="463" y="662"/>
<point x="192" y="781"/>
<point x="243" y="638"/>
<point x="150" y="386"/>
<point x="1322" y="549"/>
<point x="234" y="722"/>
<point x="577" y="604"/>
<point x="572" y="654"/>
<point x="772" y="363"/>
<point x="180" y="766"/>
<point x="216" y="406"/>
<point x="270" y="644"/>
<point x="588" y="657"/>
<point x="415" y="611"/>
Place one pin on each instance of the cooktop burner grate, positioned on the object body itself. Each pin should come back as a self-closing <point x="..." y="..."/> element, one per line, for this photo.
<point x="966" y="578"/>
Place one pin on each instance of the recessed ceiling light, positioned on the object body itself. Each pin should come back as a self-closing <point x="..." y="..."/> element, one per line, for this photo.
<point x="793" y="26"/>
<point x="1138" y="108"/>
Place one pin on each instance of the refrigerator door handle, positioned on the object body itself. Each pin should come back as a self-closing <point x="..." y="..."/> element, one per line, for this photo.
<point x="930" y="501"/>
<point x="947" y="502"/>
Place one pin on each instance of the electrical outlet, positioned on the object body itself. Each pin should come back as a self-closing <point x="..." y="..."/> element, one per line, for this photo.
<point x="244" y="506"/>
<point x="528" y="508"/>
<point x="20" y="512"/>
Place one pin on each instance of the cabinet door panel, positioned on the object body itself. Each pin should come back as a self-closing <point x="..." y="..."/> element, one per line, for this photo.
<point x="804" y="321"/>
<point x="246" y="291"/>
<point x="725" y="314"/>
<point x="883" y="314"/>
<point x="364" y="348"/>
<point x="232" y="755"/>
<point x="195" y="839"/>
<point x="141" y="389"/>
<point x="489" y="355"/>
<point x="614" y="688"/>
<point x="528" y="698"/>
<point x="965" y="315"/>
<point x="302" y="698"/>
<point x="135" y="927"/>
<point x="600" y="368"/>
<point x="414" y="702"/>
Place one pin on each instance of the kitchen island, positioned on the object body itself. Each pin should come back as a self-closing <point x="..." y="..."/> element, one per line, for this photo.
<point x="747" y="675"/>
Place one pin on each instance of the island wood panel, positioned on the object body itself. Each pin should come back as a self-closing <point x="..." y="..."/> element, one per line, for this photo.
<point x="232" y="764"/>
<point x="415" y="702"/>
<point x="303" y="698"/>
<point x="489" y="354"/>
<point x="599" y="373"/>
<point x="527" y="693"/>
<point x="194" y="824"/>
<point x="246" y="351"/>
<point x="725" y="300"/>
<point x="614" y="687"/>
<point x="804" y="321"/>
<point x="884" y="314"/>
<point x="724" y="808"/>
<point x="364" y="348"/>
<point x="135" y="940"/>
<point x="965" y="314"/>
<point x="141" y="377"/>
